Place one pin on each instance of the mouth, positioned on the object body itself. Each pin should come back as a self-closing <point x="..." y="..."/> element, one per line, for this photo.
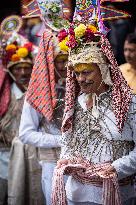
<point x="24" y="80"/>
<point x="84" y="85"/>
<point x="128" y="59"/>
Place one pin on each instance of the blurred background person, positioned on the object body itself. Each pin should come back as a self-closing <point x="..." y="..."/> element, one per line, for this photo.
<point x="41" y="119"/>
<point x="19" y="167"/>
<point x="18" y="73"/>
<point x="31" y="28"/>
<point x="128" y="69"/>
<point x="119" y="29"/>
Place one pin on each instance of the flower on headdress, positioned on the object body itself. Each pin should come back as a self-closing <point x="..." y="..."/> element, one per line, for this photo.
<point x="62" y="35"/>
<point x="71" y="31"/>
<point x="54" y="7"/>
<point x="29" y="46"/>
<point x="15" y="58"/>
<point x="22" y="52"/>
<point x="9" y="54"/>
<point x="63" y="45"/>
<point x="11" y="47"/>
<point x="80" y="30"/>
<point x="72" y="43"/>
<point x="92" y="28"/>
<point x="15" y="43"/>
<point x="89" y="35"/>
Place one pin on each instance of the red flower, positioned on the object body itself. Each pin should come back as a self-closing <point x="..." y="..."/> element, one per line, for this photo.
<point x="28" y="46"/>
<point x="9" y="54"/>
<point x="89" y="35"/>
<point x="15" y="43"/>
<point x="71" y="31"/>
<point x="72" y="42"/>
<point x="62" y="35"/>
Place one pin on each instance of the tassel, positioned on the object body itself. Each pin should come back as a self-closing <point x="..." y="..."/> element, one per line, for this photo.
<point x="95" y="111"/>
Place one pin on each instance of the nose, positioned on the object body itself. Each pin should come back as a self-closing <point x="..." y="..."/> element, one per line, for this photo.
<point x="81" y="77"/>
<point x="22" y="71"/>
<point x="127" y="53"/>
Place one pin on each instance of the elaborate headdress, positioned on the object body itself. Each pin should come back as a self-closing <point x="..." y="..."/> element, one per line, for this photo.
<point x="41" y="93"/>
<point x="83" y="37"/>
<point x="16" y="48"/>
<point x="87" y="43"/>
<point x="54" y="13"/>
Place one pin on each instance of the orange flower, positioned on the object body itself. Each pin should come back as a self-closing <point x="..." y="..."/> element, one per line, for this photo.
<point x="11" y="47"/>
<point x="15" y="58"/>
<point x="92" y="28"/>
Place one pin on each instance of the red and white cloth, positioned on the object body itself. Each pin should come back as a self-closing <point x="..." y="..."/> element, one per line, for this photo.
<point x="90" y="174"/>
<point x="4" y="91"/>
<point x="41" y="93"/>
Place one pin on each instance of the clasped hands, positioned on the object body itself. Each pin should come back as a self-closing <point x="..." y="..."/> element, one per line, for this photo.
<point x="103" y="172"/>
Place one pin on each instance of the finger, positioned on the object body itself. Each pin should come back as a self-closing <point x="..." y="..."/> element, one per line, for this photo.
<point x="58" y="165"/>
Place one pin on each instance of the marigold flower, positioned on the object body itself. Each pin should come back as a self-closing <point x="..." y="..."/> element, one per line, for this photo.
<point x="63" y="45"/>
<point x="11" y="47"/>
<point x="80" y="30"/>
<point x="92" y="28"/>
<point x="22" y="52"/>
<point x="15" y="58"/>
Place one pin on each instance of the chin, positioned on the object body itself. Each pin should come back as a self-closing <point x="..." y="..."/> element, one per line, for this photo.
<point x="129" y="61"/>
<point x="87" y="91"/>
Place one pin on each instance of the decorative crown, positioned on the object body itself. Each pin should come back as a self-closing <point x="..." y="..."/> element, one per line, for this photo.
<point x="18" y="49"/>
<point x="14" y="47"/>
<point x="86" y="30"/>
<point x="77" y="34"/>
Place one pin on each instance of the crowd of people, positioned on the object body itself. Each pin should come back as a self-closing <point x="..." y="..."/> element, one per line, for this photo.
<point x="67" y="109"/>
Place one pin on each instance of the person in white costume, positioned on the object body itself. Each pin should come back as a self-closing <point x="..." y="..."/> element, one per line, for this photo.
<point x="99" y="123"/>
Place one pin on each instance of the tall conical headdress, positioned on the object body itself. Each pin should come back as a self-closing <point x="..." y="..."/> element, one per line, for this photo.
<point x="87" y="43"/>
<point x="54" y="13"/>
<point x="93" y="10"/>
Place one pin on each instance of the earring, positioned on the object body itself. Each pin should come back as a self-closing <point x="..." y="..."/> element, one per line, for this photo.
<point x="73" y="74"/>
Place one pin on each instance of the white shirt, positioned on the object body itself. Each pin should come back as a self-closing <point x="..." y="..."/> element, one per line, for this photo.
<point x="16" y="91"/>
<point x="31" y="133"/>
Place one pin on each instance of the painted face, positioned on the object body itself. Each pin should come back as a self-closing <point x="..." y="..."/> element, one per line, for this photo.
<point x="88" y="76"/>
<point x="130" y="52"/>
<point x="60" y="63"/>
<point x="22" y="74"/>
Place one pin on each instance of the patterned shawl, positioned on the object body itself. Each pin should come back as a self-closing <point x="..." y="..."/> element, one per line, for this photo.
<point x="41" y="94"/>
<point x="4" y="91"/>
<point x="121" y="93"/>
<point x="90" y="174"/>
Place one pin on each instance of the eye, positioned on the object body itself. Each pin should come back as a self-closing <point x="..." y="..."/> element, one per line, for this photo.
<point x="87" y="72"/>
<point x="132" y="50"/>
<point x="77" y="73"/>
